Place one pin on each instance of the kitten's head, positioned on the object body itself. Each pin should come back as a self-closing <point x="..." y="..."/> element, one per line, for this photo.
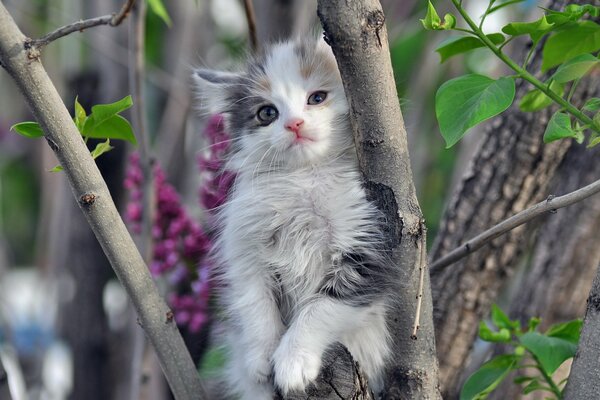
<point x="286" y="109"/>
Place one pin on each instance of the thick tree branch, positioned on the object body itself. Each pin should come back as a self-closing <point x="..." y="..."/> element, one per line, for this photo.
<point x="357" y="34"/>
<point x="551" y="204"/>
<point x="96" y="203"/>
<point x="80" y="26"/>
<point x="583" y="381"/>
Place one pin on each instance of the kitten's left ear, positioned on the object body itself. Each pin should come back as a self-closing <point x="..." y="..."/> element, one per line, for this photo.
<point x="213" y="87"/>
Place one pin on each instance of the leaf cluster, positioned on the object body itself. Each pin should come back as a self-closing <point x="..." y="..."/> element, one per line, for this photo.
<point x="531" y="350"/>
<point x="104" y="122"/>
<point x="570" y="48"/>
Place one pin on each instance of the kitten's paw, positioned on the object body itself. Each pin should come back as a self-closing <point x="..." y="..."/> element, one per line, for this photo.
<point x="294" y="368"/>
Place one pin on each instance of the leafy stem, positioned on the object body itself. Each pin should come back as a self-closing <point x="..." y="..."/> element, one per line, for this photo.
<point x="555" y="389"/>
<point x="523" y="73"/>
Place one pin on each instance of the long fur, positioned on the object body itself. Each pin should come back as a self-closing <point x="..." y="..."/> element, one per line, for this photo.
<point x="300" y="248"/>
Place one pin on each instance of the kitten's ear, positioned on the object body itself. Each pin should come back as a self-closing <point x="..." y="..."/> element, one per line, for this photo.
<point x="213" y="88"/>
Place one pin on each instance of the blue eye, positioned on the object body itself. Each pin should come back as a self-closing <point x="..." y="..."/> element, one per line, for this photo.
<point x="317" y="98"/>
<point x="267" y="114"/>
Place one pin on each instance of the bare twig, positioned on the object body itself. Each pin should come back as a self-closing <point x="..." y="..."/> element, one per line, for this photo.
<point x="251" y="17"/>
<point x="137" y="30"/>
<point x="422" y="259"/>
<point x="80" y="26"/>
<point x="549" y="205"/>
<point x="94" y="200"/>
<point x="136" y="85"/>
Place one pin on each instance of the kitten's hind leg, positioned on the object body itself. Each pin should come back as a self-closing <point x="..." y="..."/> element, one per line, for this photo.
<point x="242" y="382"/>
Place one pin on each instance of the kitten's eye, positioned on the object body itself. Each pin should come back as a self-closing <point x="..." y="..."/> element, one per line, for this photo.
<point x="267" y="114"/>
<point x="317" y="98"/>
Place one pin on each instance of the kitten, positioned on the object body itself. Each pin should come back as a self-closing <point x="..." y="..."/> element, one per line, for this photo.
<point x="300" y="247"/>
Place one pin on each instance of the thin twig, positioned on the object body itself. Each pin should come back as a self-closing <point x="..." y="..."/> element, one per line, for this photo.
<point x="137" y="30"/>
<point x="80" y="26"/>
<point x="251" y="17"/>
<point x="549" y="205"/>
<point x="422" y="267"/>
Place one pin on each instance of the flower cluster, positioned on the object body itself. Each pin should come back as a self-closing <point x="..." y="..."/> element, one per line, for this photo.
<point x="181" y="245"/>
<point x="217" y="180"/>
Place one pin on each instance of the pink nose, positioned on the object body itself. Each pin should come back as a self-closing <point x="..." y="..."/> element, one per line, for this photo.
<point x="294" y="124"/>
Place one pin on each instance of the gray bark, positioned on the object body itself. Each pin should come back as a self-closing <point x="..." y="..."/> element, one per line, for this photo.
<point x="357" y="34"/>
<point x="23" y="64"/>
<point x="583" y="381"/>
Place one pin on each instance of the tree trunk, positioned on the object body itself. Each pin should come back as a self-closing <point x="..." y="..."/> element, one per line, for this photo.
<point x="511" y="170"/>
<point x="357" y="34"/>
<point x="583" y="382"/>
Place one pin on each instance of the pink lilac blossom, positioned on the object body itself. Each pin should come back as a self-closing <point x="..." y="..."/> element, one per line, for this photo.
<point x="181" y="246"/>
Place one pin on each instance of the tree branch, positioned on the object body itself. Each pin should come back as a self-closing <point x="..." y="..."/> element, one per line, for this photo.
<point x="357" y="34"/>
<point x="551" y="204"/>
<point x="80" y="26"/>
<point x="94" y="199"/>
<point x="251" y="18"/>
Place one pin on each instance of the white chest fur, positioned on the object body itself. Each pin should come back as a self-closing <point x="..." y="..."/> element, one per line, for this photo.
<point x="294" y="225"/>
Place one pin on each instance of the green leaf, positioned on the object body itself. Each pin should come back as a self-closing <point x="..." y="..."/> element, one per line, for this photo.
<point x="489" y="376"/>
<point x="28" y="129"/>
<point x="159" y="9"/>
<point x="551" y="352"/>
<point x="449" y="22"/>
<point x="463" y="102"/>
<point x="522" y="379"/>
<point x="101" y="148"/>
<point x="501" y="320"/>
<point x="533" y="323"/>
<point x="485" y="333"/>
<point x="80" y="115"/>
<point x="58" y="168"/>
<point x="569" y="331"/>
<point x="592" y="104"/>
<point x="575" y="68"/>
<point x="572" y="12"/>
<point x="579" y="38"/>
<point x="594" y="141"/>
<point x="559" y="127"/>
<point x="432" y="20"/>
<point x="115" y="127"/>
<point x="459" y="45"/>
<point x="102" y="112"/>
<point x="535" y="29"/>
<point x="536" y="100"/>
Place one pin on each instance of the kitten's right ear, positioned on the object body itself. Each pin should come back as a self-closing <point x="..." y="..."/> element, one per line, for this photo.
<point x="213" y="88"/>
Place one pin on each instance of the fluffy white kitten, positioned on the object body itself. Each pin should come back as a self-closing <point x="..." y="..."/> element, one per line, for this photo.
<point x="300" y="247"/>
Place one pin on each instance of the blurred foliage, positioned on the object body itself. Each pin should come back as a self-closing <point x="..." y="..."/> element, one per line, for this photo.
<point x="19" y="209"/>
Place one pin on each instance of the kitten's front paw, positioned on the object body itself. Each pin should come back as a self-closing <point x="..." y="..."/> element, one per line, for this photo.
<point x="294" y="368"/>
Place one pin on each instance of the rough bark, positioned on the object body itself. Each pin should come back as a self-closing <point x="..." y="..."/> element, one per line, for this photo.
<point x="340" y="378"/>
<point x="357" y="34"/>
<point x="511" y="171"/>
<point x="583" y="382"/>
<point x="23" y="64"/>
